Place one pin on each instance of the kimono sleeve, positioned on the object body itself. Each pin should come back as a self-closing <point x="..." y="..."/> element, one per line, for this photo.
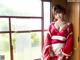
<point x="47" y="45"/>
<point x="67" y="50"/>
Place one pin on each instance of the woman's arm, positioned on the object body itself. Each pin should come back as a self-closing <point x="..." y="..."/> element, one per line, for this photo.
<point x="67" y="50"/>
<point x="47" y="45"/>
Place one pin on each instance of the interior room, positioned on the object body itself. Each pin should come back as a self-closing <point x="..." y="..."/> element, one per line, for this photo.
<point x="24" y="25"/>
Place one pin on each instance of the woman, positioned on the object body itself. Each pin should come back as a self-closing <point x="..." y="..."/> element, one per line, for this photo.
<point x="58" y="43"/>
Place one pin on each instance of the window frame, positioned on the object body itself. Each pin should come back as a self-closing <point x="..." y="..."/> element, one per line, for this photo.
<point x="25" y="17"/>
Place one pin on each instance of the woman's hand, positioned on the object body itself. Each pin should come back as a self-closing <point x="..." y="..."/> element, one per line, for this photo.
<point x="59" y="53"/>
<point x="51" y="53"/>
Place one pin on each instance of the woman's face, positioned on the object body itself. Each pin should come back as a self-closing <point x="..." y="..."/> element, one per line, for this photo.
<point x="59" y="16"/>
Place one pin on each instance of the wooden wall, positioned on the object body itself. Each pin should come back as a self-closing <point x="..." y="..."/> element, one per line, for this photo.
<point x="79" y="31"/>
<point x="61" y="2"/>
<point x="74" y="18"/>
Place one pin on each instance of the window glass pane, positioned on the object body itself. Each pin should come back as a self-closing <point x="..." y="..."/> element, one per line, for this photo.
<point x="25" y="24"/>
<point x="26" y="46"/>
<point x="20" y="7"/>
<point x="4" y="24"/>
<point x="36" y="45"/>
<point x="46" y="14"/>
<point x="4" y="47"/>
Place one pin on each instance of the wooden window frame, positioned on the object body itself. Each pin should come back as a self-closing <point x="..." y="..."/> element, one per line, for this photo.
<point x="25" y="17"/>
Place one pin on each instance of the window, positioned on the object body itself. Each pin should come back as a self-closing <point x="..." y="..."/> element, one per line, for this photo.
<point x="4" y="24"/>
<point x="22" y="28"/>
<point x="25" y="24"/>
<point x="5" y="46"/>
<point x="4" y="39"/>
<point x="20" y="8"/>
<point x="26" y="45"/>
<point x="46" y="14"/>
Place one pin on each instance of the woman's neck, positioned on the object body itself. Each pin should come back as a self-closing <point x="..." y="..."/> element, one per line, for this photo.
<point x="60" y="22"/>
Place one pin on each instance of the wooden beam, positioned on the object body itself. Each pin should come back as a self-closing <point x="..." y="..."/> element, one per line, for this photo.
<point x="73" y="0"/>
<point x="46" y="0"/>
<point x="61" y="2"/>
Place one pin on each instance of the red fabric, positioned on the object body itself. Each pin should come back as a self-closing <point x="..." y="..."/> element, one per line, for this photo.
<point x="54" y="58"/>
<point x="67" y="49"/>
<point x="68" y="46"/>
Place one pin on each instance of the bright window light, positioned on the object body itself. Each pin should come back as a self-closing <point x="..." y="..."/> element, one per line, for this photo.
<point x="20" y="7"/>
<point x="46" y="14"/>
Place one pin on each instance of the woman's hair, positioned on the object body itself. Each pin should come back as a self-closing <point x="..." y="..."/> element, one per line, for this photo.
<point x="59" y="9"/>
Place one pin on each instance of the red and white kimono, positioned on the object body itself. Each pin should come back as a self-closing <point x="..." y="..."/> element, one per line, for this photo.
<point x="58" y="44"/>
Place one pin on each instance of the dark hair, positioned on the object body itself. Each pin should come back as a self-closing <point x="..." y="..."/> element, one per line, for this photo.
<point x="59" y="9"/>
